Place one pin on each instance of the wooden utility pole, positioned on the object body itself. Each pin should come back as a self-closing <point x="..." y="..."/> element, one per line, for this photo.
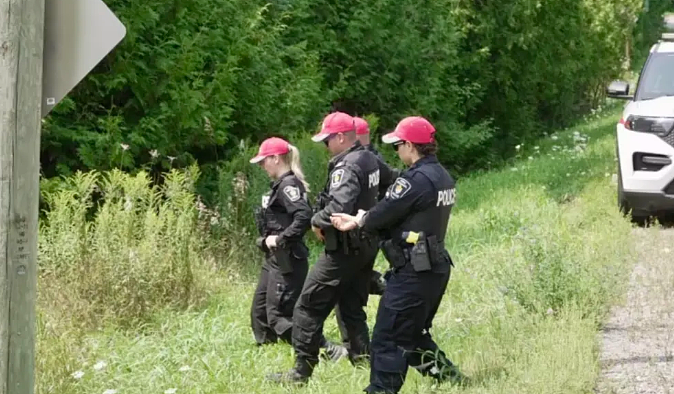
<point x="21" y="44"/>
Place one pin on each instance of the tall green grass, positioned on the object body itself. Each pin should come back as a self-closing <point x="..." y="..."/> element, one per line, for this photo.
<point x="539" y="246"/>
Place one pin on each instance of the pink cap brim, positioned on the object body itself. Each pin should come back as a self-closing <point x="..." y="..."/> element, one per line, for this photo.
<point x="257" y="159"/>
<point x="319" y="137"/>
<point x="390" y="138"/>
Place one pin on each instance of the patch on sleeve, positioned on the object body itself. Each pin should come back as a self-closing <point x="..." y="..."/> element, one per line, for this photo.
<point x="399" y="188"/>
<point x="292" y="192"/>
<point x="337" y="178"/>
<point x="265" y="201"/>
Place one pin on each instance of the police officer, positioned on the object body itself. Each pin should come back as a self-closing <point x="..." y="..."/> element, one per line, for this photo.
<point x="282" y="220"/>
<point x="387" y="176"/>
<point x="413" y="219"/>
<point x="341" y="274"/>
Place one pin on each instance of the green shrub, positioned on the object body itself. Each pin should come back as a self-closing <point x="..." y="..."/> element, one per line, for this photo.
<point x="193" y="79"/>
<point x="120" y="247"/>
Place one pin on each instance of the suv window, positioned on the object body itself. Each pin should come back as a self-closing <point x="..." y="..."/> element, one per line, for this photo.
<point x="657" y="77"/>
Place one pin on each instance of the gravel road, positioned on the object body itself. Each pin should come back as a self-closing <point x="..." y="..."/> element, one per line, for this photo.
<point x="638" y="340"/>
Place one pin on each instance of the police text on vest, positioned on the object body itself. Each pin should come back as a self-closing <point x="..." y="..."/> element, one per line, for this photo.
<point x="446" y="197"/>
<point x="374" y="179"/>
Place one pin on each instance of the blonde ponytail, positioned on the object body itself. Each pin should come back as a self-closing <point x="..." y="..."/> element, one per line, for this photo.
<point x="295" y="166"/>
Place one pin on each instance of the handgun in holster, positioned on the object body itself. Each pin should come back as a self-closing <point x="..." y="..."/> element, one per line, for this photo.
<point x="354" y="239"/>
<point x="393" y="253"/>
<point x="331" y="241"/>
<point x="420" y="255"/>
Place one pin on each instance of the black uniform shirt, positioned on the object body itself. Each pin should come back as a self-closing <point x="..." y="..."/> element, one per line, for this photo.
<point x="353" y="184"/>
<point x="287" y="211"/>
<point x="420" y="199"/>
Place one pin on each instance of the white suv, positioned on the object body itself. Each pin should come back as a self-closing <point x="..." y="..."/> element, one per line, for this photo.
<point x="645" y="137"/>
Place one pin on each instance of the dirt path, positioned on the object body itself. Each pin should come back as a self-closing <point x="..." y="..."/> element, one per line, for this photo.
<point x="638" y="340"/>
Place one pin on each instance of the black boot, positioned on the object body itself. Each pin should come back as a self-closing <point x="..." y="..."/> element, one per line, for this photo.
<point x="443" y="370"/>
<point x="299" y="374"/>
<point x="333" y="352"/>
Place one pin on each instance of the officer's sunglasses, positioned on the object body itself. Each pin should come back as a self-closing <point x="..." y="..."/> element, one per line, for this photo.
<point x="397" y="145"/>
<point x="327" y="139"/>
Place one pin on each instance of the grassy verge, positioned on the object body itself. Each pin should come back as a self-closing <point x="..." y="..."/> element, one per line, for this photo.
<point x="540" y="252"/>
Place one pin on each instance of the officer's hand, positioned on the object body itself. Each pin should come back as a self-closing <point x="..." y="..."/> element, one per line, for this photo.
<point x="270" y="241"/>
<point x="344" y="222"/>
<point x="318" y="232"/>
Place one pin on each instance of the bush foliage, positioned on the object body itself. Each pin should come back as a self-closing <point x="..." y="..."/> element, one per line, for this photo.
<point x="194" y="78"/>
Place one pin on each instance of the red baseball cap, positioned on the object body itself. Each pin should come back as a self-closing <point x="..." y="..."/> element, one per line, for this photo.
<point x="413" y="129"/>
<point x="336" y="122"/>
<point x="361" y="126"/>
<point x="270" y="147"/>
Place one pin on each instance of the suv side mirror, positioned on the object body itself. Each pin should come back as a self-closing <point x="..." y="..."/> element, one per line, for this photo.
<point x="619" y="90"/>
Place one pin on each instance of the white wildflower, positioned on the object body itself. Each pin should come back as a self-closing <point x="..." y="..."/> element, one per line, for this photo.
<point x="554" y="138"/>
<point x="124" y="146"/>
<point x="171" y="158"/>
<point x="154" y="153"/>
<point x="531" y="158"/>
<point x="518" y="147"/>
<point x="513" y="169"/>
<point x="184" y="368"/>
<point x="550" y="311"/>
<point x="100" y="365"/>
<point x="170" y="391"/>
<point x="77" y="375"/>
<point x="458" y="320"/>
<point x="128" y="204"/>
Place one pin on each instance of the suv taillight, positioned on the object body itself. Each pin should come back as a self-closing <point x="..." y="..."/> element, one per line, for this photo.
<point x="649" y="124"/>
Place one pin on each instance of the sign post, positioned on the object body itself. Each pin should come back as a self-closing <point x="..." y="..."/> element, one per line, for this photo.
<point x="46" y="48"/>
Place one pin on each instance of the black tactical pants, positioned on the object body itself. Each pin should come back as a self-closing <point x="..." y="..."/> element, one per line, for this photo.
<point x="274" y="301"/>
<point x="372" y="278"/>
<point x="401" y="336"/>
<point x="337" y="279"/>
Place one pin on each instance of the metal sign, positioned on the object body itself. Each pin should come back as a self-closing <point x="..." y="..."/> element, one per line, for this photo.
<point x="77" y="36"/>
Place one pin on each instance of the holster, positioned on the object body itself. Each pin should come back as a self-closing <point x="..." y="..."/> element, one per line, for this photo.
<point x="420" y="256"/>
<point x="436" y="250"/>
<point x="331" y="239"/>
<point x="393" y="253"/>
<point x="354" y="240"/>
